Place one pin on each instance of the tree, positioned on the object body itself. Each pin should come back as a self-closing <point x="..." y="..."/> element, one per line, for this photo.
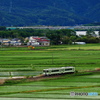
<point x="55" y="38"/>
<point x="99" y="34"/>
<point x="2" y="28"/>
<point x="11" y="34"/>
<point x="93" y="40"/>
<point x="65" y="40"/>
<point x="84" y="39"/>
<point x="73" y="33"/>
<point x="27" y="40"/>
<point x="90" y="32"/>
<point x="22" y="39"/>
<point x="73" y="38"/>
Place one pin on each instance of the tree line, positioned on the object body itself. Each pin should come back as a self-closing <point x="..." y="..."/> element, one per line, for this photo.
<point x="62" y="36"/>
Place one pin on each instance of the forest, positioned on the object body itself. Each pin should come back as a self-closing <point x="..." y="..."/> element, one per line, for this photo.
<point x="48" y="12"/>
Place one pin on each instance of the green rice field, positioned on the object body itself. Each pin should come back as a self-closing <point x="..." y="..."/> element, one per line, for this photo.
<point x="18" y="61"/>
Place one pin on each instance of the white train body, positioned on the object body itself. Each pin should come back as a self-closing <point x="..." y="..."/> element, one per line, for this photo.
<point x="62" y="70"/>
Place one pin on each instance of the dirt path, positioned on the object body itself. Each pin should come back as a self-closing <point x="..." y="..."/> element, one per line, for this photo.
<point x="2" y="81"/>
<point x="36" y="78"/>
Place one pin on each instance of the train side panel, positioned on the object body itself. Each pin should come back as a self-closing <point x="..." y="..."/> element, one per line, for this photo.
<point x="62" y="70"/>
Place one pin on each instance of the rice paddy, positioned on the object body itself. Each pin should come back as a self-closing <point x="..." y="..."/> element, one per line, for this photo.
<point x="24" y="62"/>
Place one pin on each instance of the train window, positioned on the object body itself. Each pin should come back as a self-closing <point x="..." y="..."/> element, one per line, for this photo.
<point x="47" y="71"/>
<point x="68" y="69"/>
<point x="43" y="70"/>
<point x="55" y="71"/>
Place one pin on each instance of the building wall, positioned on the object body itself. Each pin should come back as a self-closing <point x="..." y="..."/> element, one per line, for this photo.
<point x="45" y="44"/>
<point x="84" y="32"/>
<point x="6" y="44"/>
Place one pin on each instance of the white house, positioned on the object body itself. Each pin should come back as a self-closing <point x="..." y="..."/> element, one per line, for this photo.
<point x="15" y="42"/>
<point x="33" y="41"/>
<point x="37" y="41"/>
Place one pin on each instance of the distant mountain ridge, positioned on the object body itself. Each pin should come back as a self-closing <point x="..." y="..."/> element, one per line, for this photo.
<point x="48" y="12"/>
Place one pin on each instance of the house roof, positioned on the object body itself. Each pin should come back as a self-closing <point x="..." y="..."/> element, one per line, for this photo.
<point x="5" y="39"/>
<point x="7" y="42"/>
<point x="15" y="39"/>
<point x="42" y="41"/>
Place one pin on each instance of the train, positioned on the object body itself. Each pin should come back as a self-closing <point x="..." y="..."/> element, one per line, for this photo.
<point x="55" y="71"/>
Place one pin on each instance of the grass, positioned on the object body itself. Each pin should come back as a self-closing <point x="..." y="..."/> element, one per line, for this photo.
<point x="40" y="60"/>
<point x="18" y="61"/>
<point x="53" y="89"/>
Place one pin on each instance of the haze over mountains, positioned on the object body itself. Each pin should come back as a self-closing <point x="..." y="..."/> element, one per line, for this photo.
<point x="48" y="12"/>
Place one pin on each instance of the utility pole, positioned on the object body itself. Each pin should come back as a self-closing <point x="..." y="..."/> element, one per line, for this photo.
<point x="52" y="57"/>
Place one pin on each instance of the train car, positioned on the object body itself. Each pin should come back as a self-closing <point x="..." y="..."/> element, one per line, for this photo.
<point x="68" y="69"/>
<point x="62" y="70"/>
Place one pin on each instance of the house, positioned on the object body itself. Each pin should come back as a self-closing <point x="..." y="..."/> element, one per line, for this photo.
<point x="0" y="41"/>
<point x="15" y="42"/>
<point x="38" y="41"/>
<point x="44" y="42"/>
<point x="33" y="41"/>
<point x="6" y="42"/>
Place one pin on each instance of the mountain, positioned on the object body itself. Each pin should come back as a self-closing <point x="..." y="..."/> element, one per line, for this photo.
<point x="48" y="12"/>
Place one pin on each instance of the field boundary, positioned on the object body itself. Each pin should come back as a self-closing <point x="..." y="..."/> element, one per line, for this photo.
<point x="54" y="89"/>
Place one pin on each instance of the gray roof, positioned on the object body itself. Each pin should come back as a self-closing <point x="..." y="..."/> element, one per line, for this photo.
<point x="44" y="42"/>
<point x="5" y="39"/>
<point x="15" y="39"/>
